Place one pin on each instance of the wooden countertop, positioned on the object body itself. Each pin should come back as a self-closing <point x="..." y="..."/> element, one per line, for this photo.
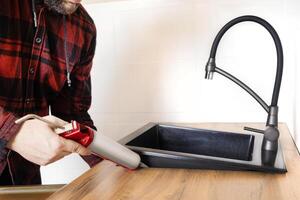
<point x="34" y="192"/>
<point x="107" y="181"/>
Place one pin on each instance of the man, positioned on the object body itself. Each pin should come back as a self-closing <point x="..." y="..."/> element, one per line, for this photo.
<point x="46" y="53"/>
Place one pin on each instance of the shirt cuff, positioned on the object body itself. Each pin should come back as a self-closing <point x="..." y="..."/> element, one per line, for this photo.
<point x="8" y="130"/>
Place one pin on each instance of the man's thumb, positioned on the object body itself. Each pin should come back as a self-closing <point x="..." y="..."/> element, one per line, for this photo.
<point x="74" y="147"/>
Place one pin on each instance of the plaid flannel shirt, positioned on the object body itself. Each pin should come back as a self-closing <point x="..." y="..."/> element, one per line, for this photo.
<point x="33" y="74"/>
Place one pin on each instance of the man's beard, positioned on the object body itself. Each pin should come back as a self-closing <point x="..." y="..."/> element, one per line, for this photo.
<point x="61" y="6"/>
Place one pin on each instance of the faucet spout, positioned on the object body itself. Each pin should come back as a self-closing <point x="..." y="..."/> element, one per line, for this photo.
<point x="277" y="42"/>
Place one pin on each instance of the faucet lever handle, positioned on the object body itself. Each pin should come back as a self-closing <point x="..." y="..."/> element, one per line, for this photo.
<point x="254" y="130"/>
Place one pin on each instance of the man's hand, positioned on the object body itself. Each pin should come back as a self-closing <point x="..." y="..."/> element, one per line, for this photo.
<point x="38" y="143"/>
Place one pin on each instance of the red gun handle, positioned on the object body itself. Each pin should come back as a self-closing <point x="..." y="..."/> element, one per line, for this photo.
<point x="83" y="135"/>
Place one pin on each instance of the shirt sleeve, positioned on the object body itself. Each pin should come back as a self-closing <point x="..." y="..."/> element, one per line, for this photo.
<point x="74" y="102"/>
<point x="8" y="129"/>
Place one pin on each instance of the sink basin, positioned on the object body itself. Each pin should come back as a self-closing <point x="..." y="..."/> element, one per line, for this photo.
<point x="169" y="146"/>
<point x="195" y="141"/>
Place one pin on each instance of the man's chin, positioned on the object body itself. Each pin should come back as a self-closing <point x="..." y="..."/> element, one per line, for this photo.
<point x="69" y="8"/>
<point x="61" y="6"/>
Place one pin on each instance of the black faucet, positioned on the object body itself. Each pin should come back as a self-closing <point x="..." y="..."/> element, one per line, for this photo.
<point x="271" y="133"/>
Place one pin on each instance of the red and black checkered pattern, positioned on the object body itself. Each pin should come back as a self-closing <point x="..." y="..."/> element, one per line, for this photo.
<point x="33" y="72"/>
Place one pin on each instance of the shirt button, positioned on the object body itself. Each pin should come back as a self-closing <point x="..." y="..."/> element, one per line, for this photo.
<point x="38" y="40"/>
<point x="31" y="70"/>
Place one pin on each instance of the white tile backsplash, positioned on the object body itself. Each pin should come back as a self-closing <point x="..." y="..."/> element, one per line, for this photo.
<point x="160" y="51"/>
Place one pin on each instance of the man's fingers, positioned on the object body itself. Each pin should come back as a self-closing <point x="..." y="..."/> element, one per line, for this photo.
<point x="74" y="147"/>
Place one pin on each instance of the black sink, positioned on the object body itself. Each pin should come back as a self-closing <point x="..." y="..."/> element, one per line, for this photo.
<point x="195" y="141"/>
<point x="169" y="146"/>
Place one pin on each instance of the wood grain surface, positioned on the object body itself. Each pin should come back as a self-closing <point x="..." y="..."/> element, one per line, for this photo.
<point x="106" y="181"/>
<point x="35" y="192"/>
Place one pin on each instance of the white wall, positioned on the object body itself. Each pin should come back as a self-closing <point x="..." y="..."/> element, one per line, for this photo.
<point x="151" y="56"/>
<point x="293" y="24"/>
